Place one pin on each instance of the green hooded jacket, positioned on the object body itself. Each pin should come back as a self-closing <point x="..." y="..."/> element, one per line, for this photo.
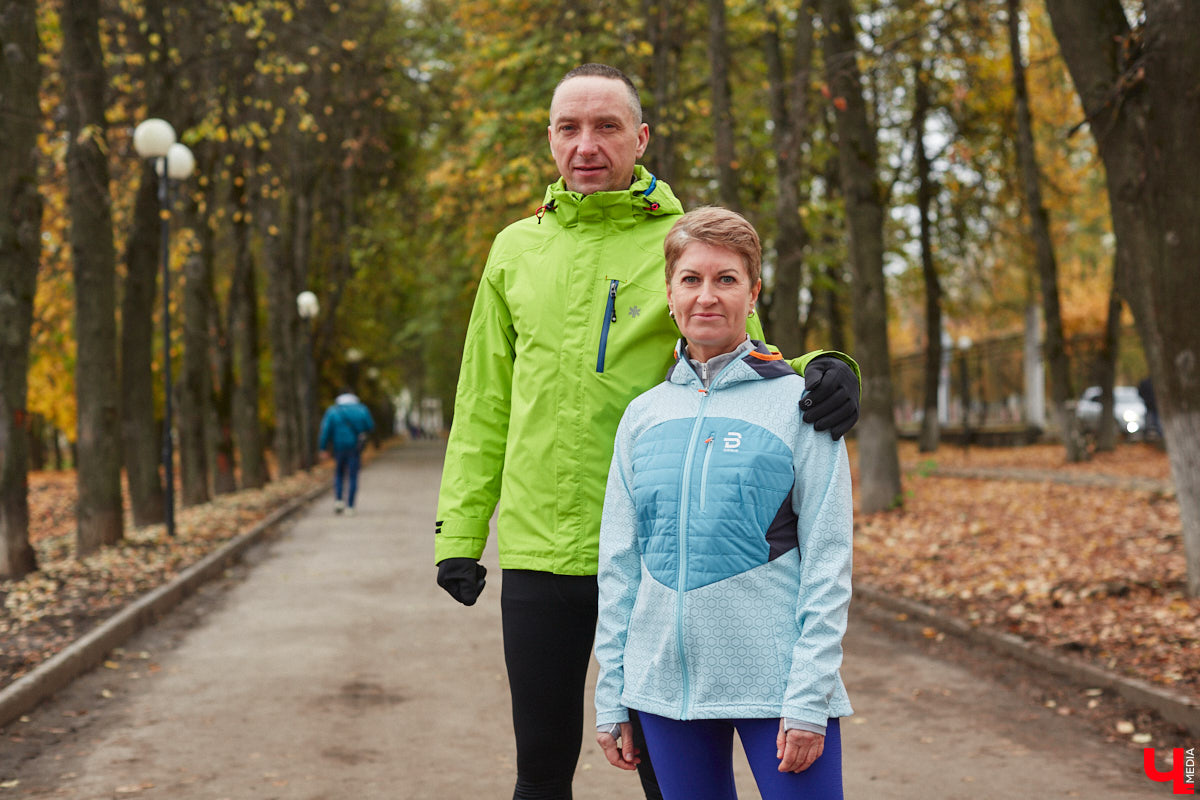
<point x="570" y="323"/>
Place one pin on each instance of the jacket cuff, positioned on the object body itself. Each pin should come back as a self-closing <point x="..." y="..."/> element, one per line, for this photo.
<point x="606" y="718"/>
<point x="791" y="724"/>
<point x="460" y="538"/>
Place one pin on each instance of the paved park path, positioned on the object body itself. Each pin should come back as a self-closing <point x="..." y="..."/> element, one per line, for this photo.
<point x="329" y="666"/>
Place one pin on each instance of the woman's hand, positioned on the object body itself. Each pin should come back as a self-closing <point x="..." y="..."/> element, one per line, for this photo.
<point x="626" y="755"/>
<point x="797" y="750"/>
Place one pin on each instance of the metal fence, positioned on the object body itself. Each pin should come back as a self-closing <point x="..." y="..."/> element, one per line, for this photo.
<point x="995" y="381"/>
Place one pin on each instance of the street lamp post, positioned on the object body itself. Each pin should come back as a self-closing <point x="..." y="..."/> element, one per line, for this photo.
<point x="354" y="358"/>
<point x="155" y="138"/>
<point x="308" y="307"/>
<point x="964" y="344"/>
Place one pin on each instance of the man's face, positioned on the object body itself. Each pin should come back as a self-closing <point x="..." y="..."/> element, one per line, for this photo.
<point x="594" y="135"/>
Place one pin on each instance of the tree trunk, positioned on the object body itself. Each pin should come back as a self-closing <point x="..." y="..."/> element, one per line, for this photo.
<point x="20" y="249"/>
<point x="195" y="386"/>
<point x="828" y="286"/>
<point x="789" y="110"/>
<point x="243" y="330"/>
<point x="878" y="462"/>
<point x="302" y="224"/>
<point x="1039" y="231"/>
<point x="281" y="316"/>
<point x="219" y="447"/>
<point x="1106" y="367"/>
<point x="140" y="433"/>
<point x="662" y="31"/>
<point x="99" y="512"/>
<point x="225" y="462"/>
<point x="38" y="432"/>
<point x="930" y="426"/>
<point x="1138" y="89"/>
<point x="722" y="104"/>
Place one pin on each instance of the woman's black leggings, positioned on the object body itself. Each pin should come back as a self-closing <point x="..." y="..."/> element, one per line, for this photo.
<point x="549" y="625"/>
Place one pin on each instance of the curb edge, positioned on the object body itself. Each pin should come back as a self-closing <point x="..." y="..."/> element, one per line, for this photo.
<point x="1171" y="706"/>
<point x="81" y="655"/>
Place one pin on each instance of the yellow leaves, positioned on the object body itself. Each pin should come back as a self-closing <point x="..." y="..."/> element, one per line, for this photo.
<point x="349" y="45"/>
<point x="94" y="135"/>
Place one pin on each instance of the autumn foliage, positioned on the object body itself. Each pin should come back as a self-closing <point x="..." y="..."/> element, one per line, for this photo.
<point x="1094" y="572"/>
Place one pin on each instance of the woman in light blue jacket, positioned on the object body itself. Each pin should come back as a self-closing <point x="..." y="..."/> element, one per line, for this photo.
<point x="725" y="550"/>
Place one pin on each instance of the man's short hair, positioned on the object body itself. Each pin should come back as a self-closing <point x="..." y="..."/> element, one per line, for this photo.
<point x="716" y="227"/>
<point x="605" y="71"/>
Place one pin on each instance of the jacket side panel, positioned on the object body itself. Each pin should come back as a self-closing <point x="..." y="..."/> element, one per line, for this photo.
<point x="825" y="507"/>
<point x="475" y="451"/>
<point x="627" y="589"/>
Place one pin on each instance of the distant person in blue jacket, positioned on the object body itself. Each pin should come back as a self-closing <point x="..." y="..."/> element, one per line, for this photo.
<point x="725" y="550"/>
<point x="344" y="431"/>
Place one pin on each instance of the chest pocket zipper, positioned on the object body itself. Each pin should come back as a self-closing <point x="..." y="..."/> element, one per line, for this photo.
<point x="708" y="448"/>
<point x="610" y="316"/>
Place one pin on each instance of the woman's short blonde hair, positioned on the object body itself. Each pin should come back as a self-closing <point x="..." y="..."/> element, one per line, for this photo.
<point x="716" y="227"/>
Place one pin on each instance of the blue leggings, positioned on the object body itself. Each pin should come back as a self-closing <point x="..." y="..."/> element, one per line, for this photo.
<point x="694" y="760"/>
<point x="346" y="470"/>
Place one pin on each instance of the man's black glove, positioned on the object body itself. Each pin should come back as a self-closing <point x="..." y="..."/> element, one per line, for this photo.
<point x="832" y="400"/>
<point x="462" y="578"/>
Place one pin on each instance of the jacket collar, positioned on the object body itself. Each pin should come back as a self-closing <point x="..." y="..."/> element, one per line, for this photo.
<point x="646" y="196"/>
<point x="759" y="363"/>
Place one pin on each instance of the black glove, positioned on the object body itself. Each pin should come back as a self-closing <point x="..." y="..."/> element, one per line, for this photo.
<point x="462" y="578"/>
<point x="832" y="400"/>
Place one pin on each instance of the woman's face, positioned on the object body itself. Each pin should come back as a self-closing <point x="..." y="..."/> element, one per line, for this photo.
<point x="711" y="296"/>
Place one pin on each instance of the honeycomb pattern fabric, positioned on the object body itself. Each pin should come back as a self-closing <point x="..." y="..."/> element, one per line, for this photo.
<point x="725" y="553"/>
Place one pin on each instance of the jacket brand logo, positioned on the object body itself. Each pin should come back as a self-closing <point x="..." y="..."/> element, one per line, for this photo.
<point x="733" y="440"/>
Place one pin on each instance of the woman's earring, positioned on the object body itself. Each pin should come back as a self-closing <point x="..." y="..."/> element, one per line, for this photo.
<point x="671" y="312"/>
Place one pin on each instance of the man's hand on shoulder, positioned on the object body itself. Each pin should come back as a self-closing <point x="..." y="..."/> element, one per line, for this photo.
<point x="462" y="578"/>
<point x="831" y="403"/>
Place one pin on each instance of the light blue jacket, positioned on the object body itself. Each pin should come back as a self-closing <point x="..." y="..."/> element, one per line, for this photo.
<point x="344" y="424"/>
<point x="725" y="552"/>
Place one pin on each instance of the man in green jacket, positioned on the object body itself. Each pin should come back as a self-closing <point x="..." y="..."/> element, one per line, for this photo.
<point x="570" y="323"/>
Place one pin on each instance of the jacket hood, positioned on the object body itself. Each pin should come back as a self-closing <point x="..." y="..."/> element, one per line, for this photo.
<point x="646" y="196"/>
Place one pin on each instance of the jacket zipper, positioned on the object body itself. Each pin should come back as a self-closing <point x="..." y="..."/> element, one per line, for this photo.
<point x="681" y="582"/>
<point x="610" y="316"/>
<point x="684" y="501"/>
<point x="708" y="449"/>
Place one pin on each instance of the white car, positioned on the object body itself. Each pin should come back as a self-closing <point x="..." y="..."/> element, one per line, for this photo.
<point x="1128" y="409"/>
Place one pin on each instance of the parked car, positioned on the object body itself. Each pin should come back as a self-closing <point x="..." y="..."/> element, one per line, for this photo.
<point x="1128" y="410"/>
